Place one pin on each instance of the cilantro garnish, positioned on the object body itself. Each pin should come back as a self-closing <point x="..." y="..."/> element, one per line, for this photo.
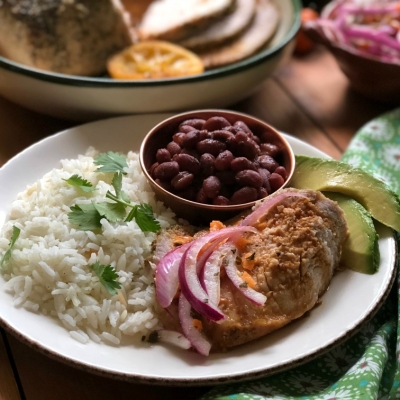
<point x="88" y="216"/>
<point x="78" y="181"/>
<point x="111" y="162"/>
<point x="14" y="237"/>
<point x="107" y="277"/>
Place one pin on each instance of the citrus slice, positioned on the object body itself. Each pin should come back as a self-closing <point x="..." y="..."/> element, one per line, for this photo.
<point x="154" y="60"/>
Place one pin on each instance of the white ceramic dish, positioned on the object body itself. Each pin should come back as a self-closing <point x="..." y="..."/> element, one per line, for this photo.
<point x="80" y="98"/>
<point x="300" y="341"/>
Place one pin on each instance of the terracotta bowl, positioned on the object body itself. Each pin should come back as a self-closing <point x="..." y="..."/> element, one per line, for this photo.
<point x="195" y="212"/>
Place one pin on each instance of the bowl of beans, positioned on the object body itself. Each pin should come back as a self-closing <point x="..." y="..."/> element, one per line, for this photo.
<point x="213" y="164"/>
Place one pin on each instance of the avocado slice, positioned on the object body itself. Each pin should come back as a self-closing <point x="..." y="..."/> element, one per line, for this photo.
<point x="325" y="174"/>
<point x="360" y="252"/>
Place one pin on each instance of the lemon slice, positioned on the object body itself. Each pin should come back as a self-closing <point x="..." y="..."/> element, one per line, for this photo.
<point x="154" y="60"/>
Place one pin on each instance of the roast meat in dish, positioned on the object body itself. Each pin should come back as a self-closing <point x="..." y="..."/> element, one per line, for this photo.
<point x="292" y="261"/>
<point x="67" y="36"/>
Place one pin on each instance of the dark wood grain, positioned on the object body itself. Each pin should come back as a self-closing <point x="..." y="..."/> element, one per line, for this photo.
<point x="8" y="386"/>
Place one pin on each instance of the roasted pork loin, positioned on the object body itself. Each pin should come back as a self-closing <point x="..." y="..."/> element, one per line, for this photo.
<point x="295" y="256"/>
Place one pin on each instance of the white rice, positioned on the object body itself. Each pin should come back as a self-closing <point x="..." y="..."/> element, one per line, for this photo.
<point x="49" y="269"/>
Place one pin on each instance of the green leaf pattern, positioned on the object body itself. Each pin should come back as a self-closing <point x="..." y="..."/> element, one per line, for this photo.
<point x="366" y="366"/>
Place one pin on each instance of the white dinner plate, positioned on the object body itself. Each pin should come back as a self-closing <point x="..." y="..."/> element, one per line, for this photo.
<point x="352" y="297"/>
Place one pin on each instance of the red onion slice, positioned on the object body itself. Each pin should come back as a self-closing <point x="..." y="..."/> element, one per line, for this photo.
<point x="210" y="277"/>
<point x="233" y="274"/>
<point x="198" y="341"/>
<point x="175" y="338"/>
<point x="167" y="281"/>
<point x="189" y="270"/>
<point x="268" y="203"/>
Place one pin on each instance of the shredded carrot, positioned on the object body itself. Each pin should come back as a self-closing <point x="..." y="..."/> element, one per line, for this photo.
<point x="241" y="244"/>
<point x="197" y="324"/>
<point x="248" y="261"/>
<point x="248" y="279"/>
<point x="178" y="240"/>
<point x="261" y="226"/>
<point x="216" y="226"/>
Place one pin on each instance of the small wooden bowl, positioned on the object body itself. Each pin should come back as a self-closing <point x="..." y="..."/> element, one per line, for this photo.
<point x="195" y="212"/>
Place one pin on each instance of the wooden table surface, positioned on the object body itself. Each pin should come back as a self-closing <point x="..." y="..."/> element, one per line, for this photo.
<point x="309" y="98"/>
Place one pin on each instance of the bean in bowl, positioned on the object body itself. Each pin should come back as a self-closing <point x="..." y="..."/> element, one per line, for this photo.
<point x="215" y="162"/>
<point x="216" y="159"/>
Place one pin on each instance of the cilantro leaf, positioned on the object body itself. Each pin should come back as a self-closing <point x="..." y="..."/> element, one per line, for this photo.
<point x="113" y="212"/>
<point x="14" y="237"/>
<point x="86" y="216"/>
<point x="111" y="162"/>
<point x="144" y="217"/>
<point x="117" y="185"/>
<point x="107" y="276"/>
<point x="78" y="181"/>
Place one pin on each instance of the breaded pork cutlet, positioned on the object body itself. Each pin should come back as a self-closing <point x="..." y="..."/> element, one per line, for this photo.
<point x="294" y="257"/>
<point x="71" y="37"/>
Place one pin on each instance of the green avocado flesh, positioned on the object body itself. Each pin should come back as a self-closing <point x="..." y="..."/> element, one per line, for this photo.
<point x="334" y="176"/>
<point x="360" y="251"/>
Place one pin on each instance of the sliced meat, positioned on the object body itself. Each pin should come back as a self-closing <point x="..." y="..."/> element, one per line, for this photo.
<point x="175" y="20"/>
<point x="72" y="37"/>
<point x="295" y="256"/>
<point x="224" y="30"/>
<point x="260" y="31"/>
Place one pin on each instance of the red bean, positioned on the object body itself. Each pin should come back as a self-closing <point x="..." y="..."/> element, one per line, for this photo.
<point x="190" y="140"/>
<point x="267" y="162"/>
<point x="262" y="192"/>
<point x="276" y="181"/>
<point x="265" y="174"/>
<point x="191" y="152"/>
<point x="282" y="172"/>
<point x="211" y="186"/>
<point x="196" y="123"/>
<point x="249" y="177"/>
<point x="173" y="148"/>
<point x="182" y="181"/>
<point x="187" y="163"/>
<point x="186" y="128"/>
<point x="211" y="146"/>
<point x="249" y="149"/>
<point x="269" y="149"/>
<point x="207" y="166"/>
<point x="204" y="134"/>
<point x="166" y="170"/>
<point x="178" y="137"/>
<point x="240" y="125"/>
<point x="223" y="160"/>
<point x="244" y="195"/>
<point x="241" y="163"/>
<point x="222" y="135"/>
<point x="201" y="197"/>
<point x="214" y="123"/>
<point x="163" y="155"/>
<point x="152" y="168"/>
<point x="221" y="201"/>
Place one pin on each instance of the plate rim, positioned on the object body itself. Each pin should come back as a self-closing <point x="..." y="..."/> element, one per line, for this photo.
<point x="193" y="381"/>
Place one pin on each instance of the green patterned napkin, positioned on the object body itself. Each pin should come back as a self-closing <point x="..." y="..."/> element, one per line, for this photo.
<point x="367" y="366"/>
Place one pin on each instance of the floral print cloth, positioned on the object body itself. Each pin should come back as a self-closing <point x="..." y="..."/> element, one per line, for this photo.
<point x="367" y="366"/>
